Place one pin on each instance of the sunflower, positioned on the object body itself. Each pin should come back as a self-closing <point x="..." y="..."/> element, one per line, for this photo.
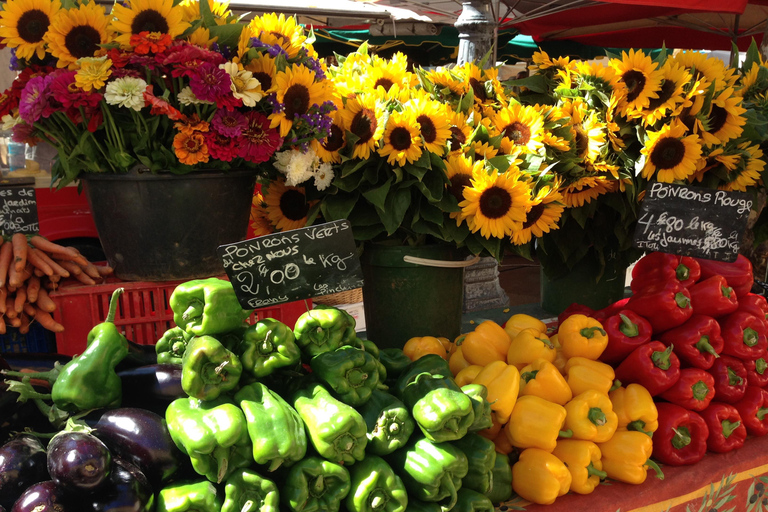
<point x="477" y="78"/>
<point x="640" y="80"/>
<point x="136" y="16"/>
<point x="460" y="131"/>
<point x="520" y="127"/>
<point x="434" y="125"/>
<point x="496" y="204"/>
<point x="259" y="221"/>
<point x="725" y="121"/>
<point x="585" y="189"/>
<point x="282" y="31"/>
<point x="711" y="69"/>
<point x="297" y="91"/>
<point x="287" y="207"/>
<point x="598" y="75"/>
<point x="754" y="165"/>
<point x="76" y="33"/>
<point x="201" y="37"/>
<point x="447" y="83"/>
<point x="674" y="79"/>
<point x="219" y="9"/>
<point x="362" y="117"/>
<point x="460" y="169"/>
<point x="670" y="154"/>
<point x="264" y="70"/>
<point x="23" y="24"/>
<point x="402" y="142"/>
<point x="327" y="150"/>
<point x="541" y="61"/>
<point x="546" y="209"/>
<point x="482" y="150"/>
<point x="385" y="73"/>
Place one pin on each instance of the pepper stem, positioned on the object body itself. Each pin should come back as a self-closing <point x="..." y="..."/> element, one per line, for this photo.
<point x="750" y="337"/>
<point x="761" y="412"/>
<point x="639" y="426"/>
<point x="50" y="376"/>
<point x="589" y="332"/>
<point x="682" y="437"/>
<point x="529" y="376"/>
<point x="760" y="366"/>
<point x="592" y="470"/>
<point x="319" y="486"/>
<point x="628" y="327"/>
<point x="247" y="506"/>
<point x="704" y="346"/>
<point x="681" y="300"/>
<point x="616" y="385"/>
<point x="733" y="377"/>
<point x="727" y="291"/>
<point x="729" y="427"/>
<point x="652" y="464"/>
<point x="113" y="305"/>
<point x="661" y="358"/>
<point x="194" y="310"/>
<point x="597" y="416"/>
<point x="682" y="272"/>
<point x="565" y="433"/>
<point x="700" y="390"/>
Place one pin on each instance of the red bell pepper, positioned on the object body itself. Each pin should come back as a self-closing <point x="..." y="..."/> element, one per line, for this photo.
<point x="694" y="390"/>
<point x="574" y="309"/>
<point x="738" y="273"/>
<point x="602" y="314"/>
<point x="626" y="331"/>
<point x="664" y="306"/>
<point x="713" y="297"/>
<point x="730" y="376"/>
<point x="697" y="342"/>
<point x="726" y="430"/>
<point x="757" y="372"/>
<point x="753" y="409"/>
<point x="755" y="304"/>
<point x="681" y="438"/>
<point x="744" y="335"/>
<point x="652" y="365"/>
<point x="663" y="267"/>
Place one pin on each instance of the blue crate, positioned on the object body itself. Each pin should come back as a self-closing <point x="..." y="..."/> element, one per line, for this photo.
<point x="37" y="340"/>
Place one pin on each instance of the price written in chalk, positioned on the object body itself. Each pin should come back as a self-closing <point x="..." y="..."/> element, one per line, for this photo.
<point x="293" y="265"/>
<point x="18" y="207"/>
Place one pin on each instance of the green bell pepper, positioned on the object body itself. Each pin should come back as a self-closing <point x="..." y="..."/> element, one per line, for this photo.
<point x="189" y="497"/>
<point x="375" y="487"/>
<point x="323" y="329"/>
<point x="501" y="490"/>
<point x="337" y="430"/>
<point x="389" y="423"/>
<point x="232" y="339"/>
<point x="267" y="345"/>
<point x="208" y="368"/>
<point x="439" y="407"/>
<point x="350" y="372"/>
<point x="373" y="349"/>
<point x="275" y="428"/>
<point x="247" y="491"/>
<point x="430" y="363"/>
<point x="395" y="361"/>
<point x="480" y="405"/>
<point x="171" y="346"/>
<point x="468" y="500"/>
<point x="212" y="433"/>
<point x="207" y="306"/>
<point x="315" y="485"/>
<point x="430" y="471"/>
<point x="481" y="457"/>
<point x="422" y="506"/>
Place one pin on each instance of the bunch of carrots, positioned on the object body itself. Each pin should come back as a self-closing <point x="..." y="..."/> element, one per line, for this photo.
<point x="32" y="266"/>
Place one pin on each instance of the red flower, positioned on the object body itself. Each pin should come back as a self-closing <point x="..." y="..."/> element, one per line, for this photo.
<point x="161" y="107"/>
<point x="183" y="58"/>
<point x="8" y="104"/>
<point x="221" y="147"/>
<point x="259" y="140"/>
<point x="150" y="42"/>
<point x="118" y="57"/>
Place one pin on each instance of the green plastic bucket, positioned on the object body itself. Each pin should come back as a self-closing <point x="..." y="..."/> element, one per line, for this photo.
<point x="403" y="300"/>
<point x="580" y="285"/>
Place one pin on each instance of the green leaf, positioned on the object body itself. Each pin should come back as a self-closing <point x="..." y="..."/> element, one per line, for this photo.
<point x="752" y="57"/>
<point x="434" y="214"/>
<point x="337" y="207"/>
<point x="535" y="83"/>
<point x="466" y="102"/>
<point x="351" y="169"/>
<point x="395" y="209"/>
<point x="228" y="34"/>
<point x="432" y="186"/>
<point x="377" y="196"/>
<point x="735" y="56"/>
<point x="367" y="232"/>
<point x="206" y="15"/>
<point x="415" y="170"/>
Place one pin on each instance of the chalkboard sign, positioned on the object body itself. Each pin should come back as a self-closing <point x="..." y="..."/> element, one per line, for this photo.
<point x="18" y="206"/>
<point x="293" y="265"/>
<point x="692" y="221"/>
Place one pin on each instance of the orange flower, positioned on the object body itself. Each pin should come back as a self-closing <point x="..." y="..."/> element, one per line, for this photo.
<point x="190" y="148"/>
<point x="192" y="124"/>
<point x="161" y="107"/>
<point x="150" y="42"/>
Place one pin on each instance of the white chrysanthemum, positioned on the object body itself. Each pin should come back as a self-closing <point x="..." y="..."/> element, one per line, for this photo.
<point x="298" y="166"/>
<point x="187" y="97"/>
<point x="10" y="121"/>
<point x="323" y="175"/>
<point x="126" y="92"/>
<point x="244" y="86"/>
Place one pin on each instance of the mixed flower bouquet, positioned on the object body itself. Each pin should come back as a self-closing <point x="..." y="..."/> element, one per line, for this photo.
<point x="163" y="85"/>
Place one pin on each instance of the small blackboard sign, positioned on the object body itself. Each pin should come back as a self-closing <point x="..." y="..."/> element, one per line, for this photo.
<point x="293" y="265"/>
<point x="18" y="206"/>
<point x="692" y="221"/>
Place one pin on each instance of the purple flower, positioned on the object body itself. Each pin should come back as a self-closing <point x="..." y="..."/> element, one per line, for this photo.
<point x="229" y="123"/>
<point x="210" y="83"/>
<point x="15" y="64"/>
<point x="34" y="98"/>
<point x="224" y="50"/>
<point x="273" y="49"/>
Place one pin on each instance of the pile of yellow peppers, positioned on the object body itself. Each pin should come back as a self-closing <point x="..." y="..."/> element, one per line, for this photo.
<point x="553" y="402"/>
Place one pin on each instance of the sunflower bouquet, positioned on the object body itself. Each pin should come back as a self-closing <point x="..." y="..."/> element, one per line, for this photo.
<point x="166" y="86"/>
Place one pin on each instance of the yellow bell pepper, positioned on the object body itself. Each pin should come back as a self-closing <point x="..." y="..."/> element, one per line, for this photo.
<point x="503" y="383"/>
<point x="519" y="322"/>
<point x="502" y="442"/>
<point x="542" y="379"/>
<point x="535" y="423"/>
<point x="635" y="408"/>
<point x="583" y="461"/>
<point x="420" y="346"/>
<point x="528" y="345"/>
<point x="583" y="374"/>
<point x="580" y="335"/>
<point x="492" y="431"/>
<point x="540" y="477"/>
<point x="626" y="457"/>
<point x="590" y="416"/>
<point x="486" y="344"/>
<point x="467" y="375"/>
<point x="456" y="362"/>
<point x="560" y="359"/>
<point x="448" y="345"/>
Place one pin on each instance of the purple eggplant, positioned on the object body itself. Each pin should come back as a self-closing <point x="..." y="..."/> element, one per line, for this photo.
<point x="140" y="437"/>
<point x="22" y="463"/>
<point x="127" y="490"/>
<point x="78" y="462"/>
<point x="46" y="497"/>
<point x="151" y="387"/>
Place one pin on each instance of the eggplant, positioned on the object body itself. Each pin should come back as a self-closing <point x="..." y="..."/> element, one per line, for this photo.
<point x="151" y="387"/>
<point x="22" y="463"/>
<point x="140" y="437"/>
<point x="78" y="461"/>
<point x="138" y="355"/>
<point x="46" y="497"/>
<point x="128" y="490"/>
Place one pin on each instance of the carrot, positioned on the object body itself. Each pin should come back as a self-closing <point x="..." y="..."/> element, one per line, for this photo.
<point x="44" y="302"/>
<point x="33" y="287"/>
<point x="85" y="279"/>
<point x="29" y="309"/>
<point x="57" y="269"/>
<point x="25" y="321"/>
<point x="104" y="270"/>
<point x="15" y="321"/>
<point x="20" y="249"/>
<point x="91" y="270"/>
<point x="59" y="251"/>
<point x="6" y="253"/>
<point x="38" y="272"/>
<point x="10" y="312"/>
<point x="35" y="258"/>
<point x="3" y="296"/>
<point x="21" y="298"/>
<point x="73" y="268"/>
<point x="3" y="329"/>
<point x="47" y="321"/>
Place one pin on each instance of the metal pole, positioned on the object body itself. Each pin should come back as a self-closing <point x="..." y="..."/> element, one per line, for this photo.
<point x="476" y="26"/>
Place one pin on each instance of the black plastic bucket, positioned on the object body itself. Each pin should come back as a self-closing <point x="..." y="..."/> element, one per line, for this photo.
<point x="163" y="227"/>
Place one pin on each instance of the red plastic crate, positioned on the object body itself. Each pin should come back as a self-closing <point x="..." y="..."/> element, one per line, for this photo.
<point x="143" y="314"/>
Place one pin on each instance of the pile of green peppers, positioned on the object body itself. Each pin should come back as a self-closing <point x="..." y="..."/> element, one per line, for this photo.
<point x="312" y="418"/>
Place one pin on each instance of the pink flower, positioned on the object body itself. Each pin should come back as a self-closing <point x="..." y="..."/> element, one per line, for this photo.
<point x="229" y="123"/>
<point x="22" y="132"/>
<point x="183" y="58"/>
<point x="222" y="147"/>
<point x="209" y="83"/>
<point x="34" y="98"/>
<point x="259" y="140"/>
<point x="64" y="91"/>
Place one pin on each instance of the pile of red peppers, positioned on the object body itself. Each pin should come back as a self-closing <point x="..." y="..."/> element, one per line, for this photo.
<point x="695" y="337"/>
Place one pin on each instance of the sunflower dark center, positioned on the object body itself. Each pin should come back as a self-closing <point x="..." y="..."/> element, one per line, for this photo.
<point x="635" y="82"/>
<point x="518" y="133"/>
<point x="400" y="138"/>
<point x="293" y="205"/>
<point x="282" y="37"/>
<point x="582" y="142"/>
<point x="296" y="101"/>
<point x="458" y="183"/>
<point x="667" y="89"/>
<point x="534" y="215"/>
<point x="264" y="79"/>
<point x="668" y="153"/>
<point x="717" y="118"/>
<point x="495" y="202"/>
<point x="335" y="140"/>
<point x="457" y="138"/>
<point x="364" y="125"/>
<point x="428" y="131"/>
<point x="82" y="41"/>
<point x="478" y="89"/>
<point x="386" y="83"/>
<point x="33" y="25"/>
<point x="149" y="20"/>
